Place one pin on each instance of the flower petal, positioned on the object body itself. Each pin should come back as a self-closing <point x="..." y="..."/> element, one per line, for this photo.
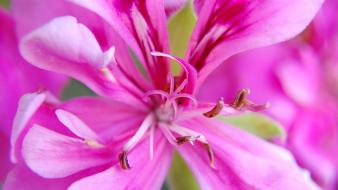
<point x="108" y="118"/>
<point x="76" y="125"/>
<point x="53" y="155"/>
<point x="142" y="24"/>
<point x="22" y="178"/>
<point x="227" y="27"/>
<point x="242" y="161"/>
<point x="17" y="76"/>
<point x="5" y="163"/>
<point x="32" y="14"/>
<point x="321" y="126"/>
<point x="144" y="174"/>
<point x="72" y="51"/>
<point x="28" y="106"/>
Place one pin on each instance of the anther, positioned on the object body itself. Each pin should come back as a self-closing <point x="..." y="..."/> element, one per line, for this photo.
<point x="215" y="110"/>
<point x="184" y="139"/>
<point x="241" y="102"/>
<point x="124" y="160"/>
<point x="210" y="155"/>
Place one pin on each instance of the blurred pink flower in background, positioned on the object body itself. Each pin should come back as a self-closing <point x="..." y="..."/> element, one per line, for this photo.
<point x="17" y="78"/>
<point x="99" y="138"/>
<point x="300" y="79"/>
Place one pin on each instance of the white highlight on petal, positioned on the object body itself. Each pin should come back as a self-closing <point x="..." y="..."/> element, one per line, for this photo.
<point x="76" y="125"/>
<point x="109" y="57"/>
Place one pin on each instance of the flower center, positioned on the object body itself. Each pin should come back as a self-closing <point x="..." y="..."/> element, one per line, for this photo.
<point x="168" y="108"/>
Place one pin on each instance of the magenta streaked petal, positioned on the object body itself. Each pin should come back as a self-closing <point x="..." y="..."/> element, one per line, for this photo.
<point x="142" y="24"/>
<point x="242" y="161"/>
<point x="53" y="155"/>
<point x="144" y="173"/>
<point x="227" y="27"/>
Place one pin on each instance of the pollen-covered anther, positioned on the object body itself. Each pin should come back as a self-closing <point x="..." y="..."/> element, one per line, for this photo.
<point x="215" y="110"/>
<point x="241" y="102"/>
<point x="123" y="159"/>
<point x="184" y="139"/>
<point x="210" y="155"/>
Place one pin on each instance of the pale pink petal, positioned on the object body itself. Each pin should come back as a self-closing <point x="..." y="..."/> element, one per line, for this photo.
<point x="28" y="106"/>
<point x="300" y="77"/>
<point x="314" y="139"/>
<point x="227" y="27"/>
<point x="76" y="125"/>
<point x="31" y="14"/>
<point x="35" y="108"/>
<point x="144" y="173"/>
<point x="297" y="83"/>
<point x="17" y="76"/>
<point x="142" y="24"/>
<point x="108" y="118"/>
<point x="72" y="51"/>
<point x="242" y="161"/>
<point x="53" y="155"/>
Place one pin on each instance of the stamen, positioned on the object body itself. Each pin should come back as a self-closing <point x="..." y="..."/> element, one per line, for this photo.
<point x="156" y="92"/>
<point x="191" y="136"/>
<point x="148" y="122"/>
<point x="171" y="83"/>
<point x="215" y="110"/>
<point x="184" y="139"/>
<point x="241" y="102"/>
<point x="240" y="99"/>
<point x="170" y="137"/>
<point x="124" y="160"/>
<point x="151" y="142"/>
<point x="211" y="155"/>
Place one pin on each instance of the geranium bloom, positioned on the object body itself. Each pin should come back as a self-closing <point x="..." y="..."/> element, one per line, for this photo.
<point x="124" y="139"/>
<point x="17" y="78"/>
<point x="299" y="78"/>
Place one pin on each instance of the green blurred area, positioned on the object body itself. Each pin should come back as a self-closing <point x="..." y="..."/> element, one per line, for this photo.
<point x="74" y="89"/>
<point x="257" y="124"/>
<point x="180" y="29"/>
<point x="180" y="176"/>
<point x="4" y="3"/>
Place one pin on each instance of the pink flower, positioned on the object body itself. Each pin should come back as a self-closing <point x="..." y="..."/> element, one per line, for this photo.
<point x="124" y="139"/>
<point x="300" y="81"/>
<point x="17" y="78"/>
